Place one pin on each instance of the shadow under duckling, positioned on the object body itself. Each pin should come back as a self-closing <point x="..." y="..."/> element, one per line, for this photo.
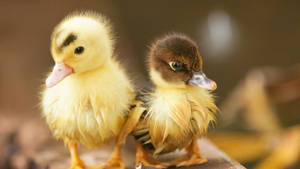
<point x="87" y="95"/>
<point x="178" y="110"/>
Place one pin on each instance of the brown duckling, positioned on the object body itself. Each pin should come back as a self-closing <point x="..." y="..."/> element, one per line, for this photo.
<point x="178" y="110"/>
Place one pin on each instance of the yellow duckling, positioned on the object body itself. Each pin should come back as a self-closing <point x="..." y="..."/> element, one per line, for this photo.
<point x="178" y="110"/>
<point x="87" y="95"/>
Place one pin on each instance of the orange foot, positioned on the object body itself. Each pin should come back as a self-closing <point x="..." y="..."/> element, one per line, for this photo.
<point x="142" y="163"/>
<point x="77" y="167"/>
<point x="194" y="160"/>
<point x="192" y="157"/>
<point x="114" y="163"/>
<point x="145" y="158"/>
<point x="78" y="164"/>
<point x="115" y="160"/>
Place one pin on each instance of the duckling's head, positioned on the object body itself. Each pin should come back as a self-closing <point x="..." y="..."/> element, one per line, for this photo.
<point x="80" y="43"/>
<point x="174" y="61"/>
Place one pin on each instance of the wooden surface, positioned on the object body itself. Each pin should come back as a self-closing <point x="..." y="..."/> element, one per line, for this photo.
<point x="216" y="158"/>
<point x="27" y="144"/>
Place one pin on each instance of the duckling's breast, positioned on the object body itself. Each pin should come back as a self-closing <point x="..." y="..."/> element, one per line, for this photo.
<point x="165" y="125"/>
<point x="87" y="115"/>
<point x="172" y="119"/>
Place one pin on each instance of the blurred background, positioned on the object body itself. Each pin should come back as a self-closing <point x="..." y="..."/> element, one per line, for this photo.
<point x="250" y="48"/>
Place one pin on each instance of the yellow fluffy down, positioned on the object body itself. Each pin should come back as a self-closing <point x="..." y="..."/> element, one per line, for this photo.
<point x="177" y="115"/>
<point x="89" y="107"/>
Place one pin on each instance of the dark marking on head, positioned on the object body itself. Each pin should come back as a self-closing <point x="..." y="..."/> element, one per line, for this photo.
<point x="69" y="39"/>
<point x="175" y="48"/>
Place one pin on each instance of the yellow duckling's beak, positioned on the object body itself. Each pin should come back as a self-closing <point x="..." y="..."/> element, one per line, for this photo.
<point x="59" y="72"/>
<point x="199" y="79"/>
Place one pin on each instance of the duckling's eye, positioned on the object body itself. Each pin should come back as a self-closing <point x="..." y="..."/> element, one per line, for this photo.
<point x="176" y="66"/>
<point x="79" y="50"/>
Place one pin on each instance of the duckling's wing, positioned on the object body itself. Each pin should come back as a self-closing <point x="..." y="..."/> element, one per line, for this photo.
<point x="136" y="111"/>
<point x="133" y="118"/>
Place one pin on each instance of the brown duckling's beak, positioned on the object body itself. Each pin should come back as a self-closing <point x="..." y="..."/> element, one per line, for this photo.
<point x="59" y="72"/>
<point x="199" y="79"/>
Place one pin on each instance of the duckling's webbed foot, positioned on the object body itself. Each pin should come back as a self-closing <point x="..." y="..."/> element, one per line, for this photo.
<point x="193" y="156"/>
<point x="144" y="158"/>
<point x="78" y="166"/>
<point x="76" y="162"/>
<point x="115" y="160"/>
<point x="193" y="160"/>
<point x="152" y="164"/>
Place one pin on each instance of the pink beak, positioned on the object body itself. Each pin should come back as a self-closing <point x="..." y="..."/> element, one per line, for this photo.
<point x="59" y="72"/>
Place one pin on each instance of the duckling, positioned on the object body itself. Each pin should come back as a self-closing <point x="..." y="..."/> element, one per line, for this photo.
<point x="178" y="110"/>
<point x="88" y="94"/>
